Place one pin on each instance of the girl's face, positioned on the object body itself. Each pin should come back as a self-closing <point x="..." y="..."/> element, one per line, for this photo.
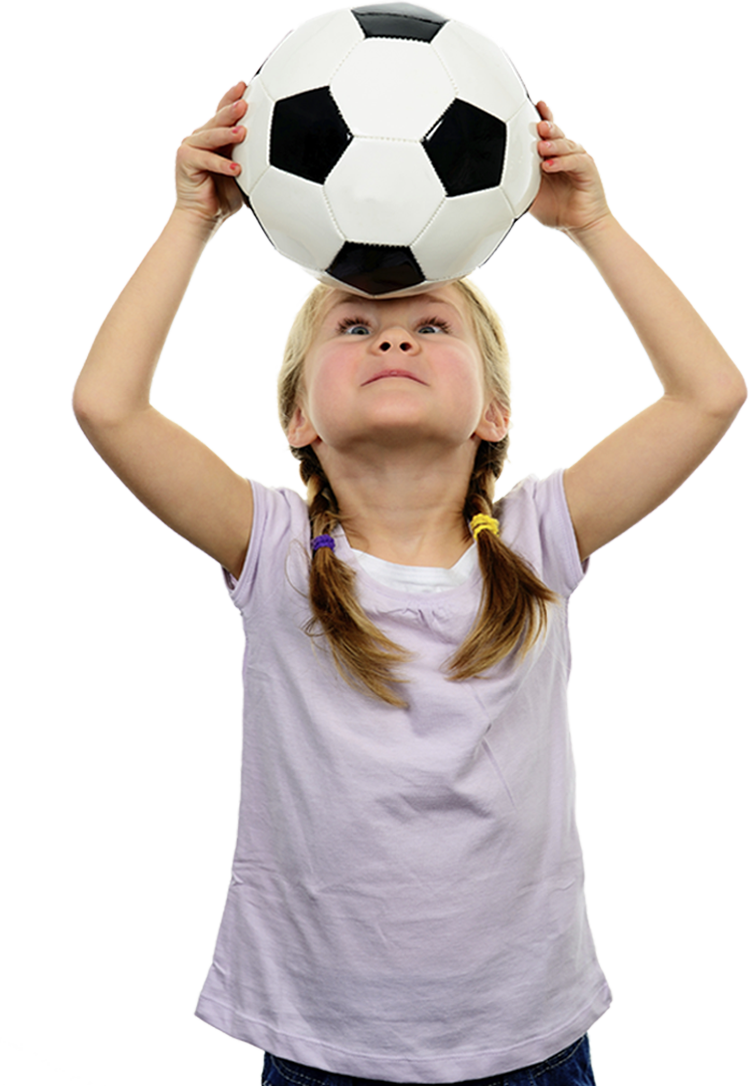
<point x="392" y="372"/>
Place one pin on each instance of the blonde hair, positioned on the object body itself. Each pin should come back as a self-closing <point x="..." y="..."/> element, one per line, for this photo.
<point x="513" y="610"/>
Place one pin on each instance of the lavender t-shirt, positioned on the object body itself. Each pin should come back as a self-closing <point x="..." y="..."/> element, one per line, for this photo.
<point x="406" y="900"/>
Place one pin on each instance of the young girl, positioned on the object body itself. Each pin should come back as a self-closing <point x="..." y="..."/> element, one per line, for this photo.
<point x="406" y="900"/>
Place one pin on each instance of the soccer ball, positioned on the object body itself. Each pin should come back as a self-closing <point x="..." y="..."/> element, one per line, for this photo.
<point x="388" y="148"/>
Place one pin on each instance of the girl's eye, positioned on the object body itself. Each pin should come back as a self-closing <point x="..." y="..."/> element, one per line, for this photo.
<point x="354" y="326"/>
<point x="435" y="324"/>
<point x="355" y="321"/>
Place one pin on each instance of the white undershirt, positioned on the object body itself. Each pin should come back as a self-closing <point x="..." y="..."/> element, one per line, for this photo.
<point x="419" y="579"/>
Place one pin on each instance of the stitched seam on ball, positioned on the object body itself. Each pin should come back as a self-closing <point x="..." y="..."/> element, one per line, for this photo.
<point x="453" y="84"/>
<point x="336" y="224"/>
<point x="428" y="224"/>
<point x="342" y="62"/>
<point x="416" y="140"/>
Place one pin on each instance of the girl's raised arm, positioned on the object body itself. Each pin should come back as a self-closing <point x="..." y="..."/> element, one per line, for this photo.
<point x="169" y="470"/>
<point x="637" y="467"/>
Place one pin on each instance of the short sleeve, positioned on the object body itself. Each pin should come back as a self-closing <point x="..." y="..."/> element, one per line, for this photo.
<point x="279" y="517"/>
<point x="536" y="523"/>
<point x="572" y="570"/>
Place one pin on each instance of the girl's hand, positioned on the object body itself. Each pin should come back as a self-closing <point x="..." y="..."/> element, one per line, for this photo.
<point x="571" y="196"/>
<point x="205" y="172"/>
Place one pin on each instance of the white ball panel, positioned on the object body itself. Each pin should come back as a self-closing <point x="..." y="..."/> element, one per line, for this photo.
<point x="522" y="177"/>
<point x="252" y="152"/>
<point x="474" y="226"/>
<point x="392" y="87"/>
<point x="295" y="215"/>
<point x="383" y="192"/>
<point x="483" y="74"/>
<point x="309" y="57"/>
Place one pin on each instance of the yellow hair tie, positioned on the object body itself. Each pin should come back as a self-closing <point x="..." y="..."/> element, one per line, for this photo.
<point x="481" y="521"/>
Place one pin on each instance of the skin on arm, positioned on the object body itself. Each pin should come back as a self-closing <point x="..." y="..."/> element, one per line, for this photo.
<point x="642" y="463"/>
<point x="170" y="471"/>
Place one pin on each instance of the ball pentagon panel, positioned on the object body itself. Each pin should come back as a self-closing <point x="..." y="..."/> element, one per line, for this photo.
<point x="467" y="149"/>
<point x="375" y="270"/>
<point x="399" y="21"/>
<point x="308" y="134"/>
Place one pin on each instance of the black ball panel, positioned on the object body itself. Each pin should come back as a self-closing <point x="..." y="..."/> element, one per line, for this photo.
<point x="467" y="148"/>
<point x="308" y="134"/>
<point x="398" y="21"/>
<point x="376" y="269"/>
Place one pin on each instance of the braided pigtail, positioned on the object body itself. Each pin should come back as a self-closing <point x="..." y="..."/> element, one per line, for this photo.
<point x="362" y="653"/>
<point x="513" y="610"/>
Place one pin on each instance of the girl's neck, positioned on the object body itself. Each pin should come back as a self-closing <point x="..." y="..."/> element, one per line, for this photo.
<point x="403" y="511"/>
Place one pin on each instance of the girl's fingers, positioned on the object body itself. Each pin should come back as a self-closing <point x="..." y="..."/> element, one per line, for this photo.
<point x="232" y="95"/>
<point x="549" y="148"/>
<point x="231" y="112"/>
<point x="220" y="165"/>
<point x="226" y="116"/>
<point x="547" y="120"/>
<point x="210" y="138"/>
<point x="578" y="163"/>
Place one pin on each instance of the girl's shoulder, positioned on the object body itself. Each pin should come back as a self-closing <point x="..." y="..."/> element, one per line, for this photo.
<point x="535" y="521"/>
<point x="279" y="517"/>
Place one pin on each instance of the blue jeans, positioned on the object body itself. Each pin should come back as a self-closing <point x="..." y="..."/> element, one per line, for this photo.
<point x="570" y="1067"/>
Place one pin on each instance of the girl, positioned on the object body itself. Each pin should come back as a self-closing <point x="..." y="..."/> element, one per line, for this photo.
<point x="406" y="900"/>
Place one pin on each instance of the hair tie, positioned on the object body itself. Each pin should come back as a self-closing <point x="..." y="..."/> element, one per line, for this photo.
<point x="323" y="541"/>
<point x="481" y="521"/>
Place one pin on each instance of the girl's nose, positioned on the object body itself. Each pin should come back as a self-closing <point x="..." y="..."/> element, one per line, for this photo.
<point x="402" y="338"/>
<point x="385" y="345"/>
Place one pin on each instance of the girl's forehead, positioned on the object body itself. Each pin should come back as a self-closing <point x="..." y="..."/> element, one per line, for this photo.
<point x="447" y="294"/>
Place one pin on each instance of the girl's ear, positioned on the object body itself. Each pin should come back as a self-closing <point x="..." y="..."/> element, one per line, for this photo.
<point x="301" y="432"/>
<point x="495" y="422"/>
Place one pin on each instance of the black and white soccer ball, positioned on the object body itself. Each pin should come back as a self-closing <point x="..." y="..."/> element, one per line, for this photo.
<point x="388" y="148"/>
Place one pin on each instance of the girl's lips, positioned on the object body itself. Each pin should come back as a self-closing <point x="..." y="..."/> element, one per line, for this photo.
<point x="393" y="373"/>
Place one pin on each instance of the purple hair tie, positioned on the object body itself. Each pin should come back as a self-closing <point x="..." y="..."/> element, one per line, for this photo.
<point x="323" y="541"/>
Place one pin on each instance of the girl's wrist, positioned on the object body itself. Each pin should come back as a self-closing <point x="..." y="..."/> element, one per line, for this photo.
<point x="196" y="226"/>
<point x="597" y="233"/>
